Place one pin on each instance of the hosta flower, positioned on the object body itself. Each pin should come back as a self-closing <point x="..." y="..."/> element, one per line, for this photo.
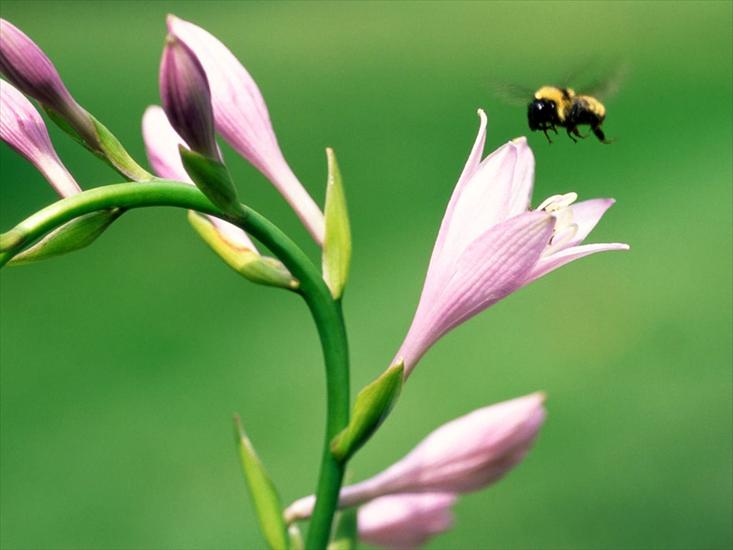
<point x="23" y="129"/>
<point x="232" y="243"/>
<point x="490" y="244"/>
<point x="241" y="117"/>
<point x="463" y="455"/>
<point x="403" y="522"/>
<point x="25" y="65"/>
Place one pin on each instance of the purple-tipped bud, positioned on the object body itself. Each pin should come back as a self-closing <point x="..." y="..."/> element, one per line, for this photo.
<point x="186" y="99"/>
<point x="23" y="129"/>
<point x="25" y="65"/>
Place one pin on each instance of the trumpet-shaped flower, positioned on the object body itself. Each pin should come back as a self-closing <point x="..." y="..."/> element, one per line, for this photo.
<point x="23" y="129"/>
<point x="405" y="521"/>
<point x="242" y="118"/>
<point x="463" y="455"/>
<point x="490" y="244"/>
<point x="25" y="65"/>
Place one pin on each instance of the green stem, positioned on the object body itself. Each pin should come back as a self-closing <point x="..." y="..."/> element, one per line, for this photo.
<point x="325" y="310"/>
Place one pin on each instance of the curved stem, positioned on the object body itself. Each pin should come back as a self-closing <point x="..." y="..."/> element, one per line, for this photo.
<point x="325" y="310"/>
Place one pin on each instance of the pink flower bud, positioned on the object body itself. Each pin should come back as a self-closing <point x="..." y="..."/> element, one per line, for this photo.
<point x="23" y="129"/>
<point x="184" y="91"/>
<point x="463" y="455"/>
<point x="405" y="521"/>
<point x="25" y="65"/>
<point x="490" y="244"/>
<point x="242" y="118"/>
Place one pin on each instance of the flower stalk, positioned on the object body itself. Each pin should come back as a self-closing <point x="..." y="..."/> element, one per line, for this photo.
<point x="325" y="310"/>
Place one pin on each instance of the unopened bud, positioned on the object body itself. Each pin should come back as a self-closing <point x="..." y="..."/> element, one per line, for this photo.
<point x="25" y="65"/>
<point x="22" y="128"/>
<point x="186" y="99"/>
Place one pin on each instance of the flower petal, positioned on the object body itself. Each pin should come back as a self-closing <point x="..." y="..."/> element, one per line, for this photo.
<point x="586" y="215"/>
<point x="161" y="144"/>
<point x="405" y="521"/>
<point x="493" y="266"/>
<point x="559" y="259"/>
<point x="241" y="117"/>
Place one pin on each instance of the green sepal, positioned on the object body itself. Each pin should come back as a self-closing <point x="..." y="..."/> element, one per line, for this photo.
<point x="295" y="538"/>
<point x="248" y="263"/>
<point x="106" y="146"/>
<point x="336" y="256"/>
<point x="263" y="493"/>
<point x="346" y="531"/>
<point x="371" y="408"/>
<point x="212" y="177"/>
<point x="114" y="153"/>
<point x="74" y="235"/>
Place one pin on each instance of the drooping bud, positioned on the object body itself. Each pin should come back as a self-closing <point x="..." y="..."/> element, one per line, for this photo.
<point x="184" y="91"/>
<point x="22" y="128"/>
<point x="461" y="456"/>
<point x="25" y="65"/>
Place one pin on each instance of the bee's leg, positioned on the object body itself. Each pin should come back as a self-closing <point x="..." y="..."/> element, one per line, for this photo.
<point x="552" y="126"/>
<point x="570" y="131"/>
<point x="547" y="136"/>
<point x="599" y="134"/>
<point x="577" y="133"/>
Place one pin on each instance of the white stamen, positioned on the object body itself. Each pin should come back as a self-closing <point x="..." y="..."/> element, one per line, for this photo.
<point x="565" y="229"/>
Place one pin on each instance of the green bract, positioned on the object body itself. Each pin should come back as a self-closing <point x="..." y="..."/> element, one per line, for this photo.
<point x="212" y="177"/>
<point x="372" y="406"/>
<point x="264" y="495"/>
<point x="74" y="235"/>
<point x="337" y="243"/>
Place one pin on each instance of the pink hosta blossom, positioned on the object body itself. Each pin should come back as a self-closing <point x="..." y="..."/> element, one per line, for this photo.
<point x="25" y="65"/>
<point x="23" y="129"/>
<point x="241" y="117"/>
<point x="463" y="455"/>
<point x="405" y="521"/>
<point x="490" y="244"/>
<point x="161" y="143"/>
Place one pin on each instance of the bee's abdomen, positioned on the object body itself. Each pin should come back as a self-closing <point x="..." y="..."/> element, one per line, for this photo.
<point x="586" y="110"/>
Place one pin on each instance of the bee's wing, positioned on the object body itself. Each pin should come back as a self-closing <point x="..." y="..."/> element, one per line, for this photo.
<point x="511" y="94"/>
<point x="608" y="85"/>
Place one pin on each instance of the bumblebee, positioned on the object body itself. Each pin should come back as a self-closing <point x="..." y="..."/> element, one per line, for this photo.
<point x="553" y="106"/>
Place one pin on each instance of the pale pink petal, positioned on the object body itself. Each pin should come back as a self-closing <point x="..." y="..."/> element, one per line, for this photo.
<point x="405" y="521"/>
<point x="559" y="259"/>
<point x="586" y="215"/>
<point x="241" y="117"/>
<point x="23" y="129"/>
<point x="161" y="144"/>
<point x="493" y="266"/>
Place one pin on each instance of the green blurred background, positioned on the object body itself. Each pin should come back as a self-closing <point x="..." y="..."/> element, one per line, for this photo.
<point x="122" y="364"/>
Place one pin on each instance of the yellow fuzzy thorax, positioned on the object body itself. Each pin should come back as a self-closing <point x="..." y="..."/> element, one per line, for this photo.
<point x="562" y="97"/>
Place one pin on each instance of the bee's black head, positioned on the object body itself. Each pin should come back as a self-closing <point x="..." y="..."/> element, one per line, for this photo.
<point x="541" y="114"/>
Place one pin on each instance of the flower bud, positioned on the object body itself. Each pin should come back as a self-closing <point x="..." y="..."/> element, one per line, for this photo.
<point x="22" y="128"/>
<point x="184" y="91"/>
<point x="463" y="455"/>
<point x="242" y="119"/>
<point x="405" y="521"/>
<point x="25" y="65"/>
